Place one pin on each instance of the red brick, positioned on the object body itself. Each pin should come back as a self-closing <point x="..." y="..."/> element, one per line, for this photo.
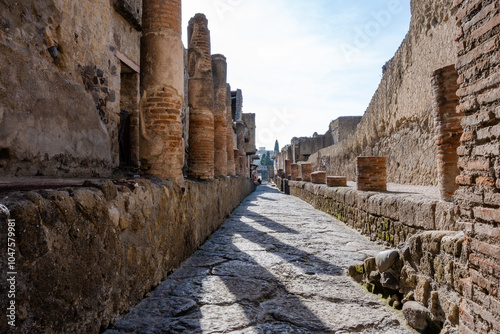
<point x="485" y="181"/>
<point x="487" y="214"/>
<point x="487" y="27"/>
<point x="485" y="265"/>
<point x="486" y="249"/>
<point x="483" y="282"/>
<point x="481" y="165"/>
<point x="490" y="96"/>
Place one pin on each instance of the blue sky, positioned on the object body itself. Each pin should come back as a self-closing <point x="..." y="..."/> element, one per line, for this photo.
<point x="303" y="63"/>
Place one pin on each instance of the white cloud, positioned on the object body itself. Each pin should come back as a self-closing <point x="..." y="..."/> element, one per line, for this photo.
<point x="287" y="58"/>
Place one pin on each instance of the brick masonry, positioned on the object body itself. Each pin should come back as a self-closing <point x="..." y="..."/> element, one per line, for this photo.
<point x="318" y="177"/>
<point x="201" y="101"/>
<point x="336" y="181"/>
<point x="371" y="173"/>
<point x="448" y="128"/>
<point x="288" y="168"/>
<point x="295" y="171"/>
<point x="219" y="68"/>
<point x="231" y="167"/>
<point x="306" y="170"/>
<point x="162" y="84"/>
<point x="477" y="31"/>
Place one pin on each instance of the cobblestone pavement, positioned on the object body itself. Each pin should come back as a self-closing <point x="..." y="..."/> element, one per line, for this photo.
<point x="276" y="266"/>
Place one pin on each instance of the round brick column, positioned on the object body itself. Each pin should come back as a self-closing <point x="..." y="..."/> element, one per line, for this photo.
<point x="219" y="68"/>
<point x="371" y="173"/>
<point x="162" y="90"/>
<point x="231" y="168"/>
<point x="201" y="101"/>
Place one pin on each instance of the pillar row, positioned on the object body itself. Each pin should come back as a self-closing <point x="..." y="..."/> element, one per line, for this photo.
<point x="201" y="101"/>
<point x="162" y="86"/>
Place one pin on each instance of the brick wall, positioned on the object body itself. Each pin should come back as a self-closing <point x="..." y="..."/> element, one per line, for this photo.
<point x="448" y="128"/>
<point x="477" y="36"/>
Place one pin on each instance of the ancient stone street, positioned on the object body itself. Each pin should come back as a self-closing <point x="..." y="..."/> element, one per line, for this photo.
<point x="276" y="266"/>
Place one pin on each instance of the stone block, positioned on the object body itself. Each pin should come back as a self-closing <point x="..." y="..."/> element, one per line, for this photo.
<point x="416" y="315"/>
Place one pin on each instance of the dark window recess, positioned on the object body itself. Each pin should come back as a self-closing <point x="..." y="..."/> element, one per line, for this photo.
<point x="129" y="12"/>
<point x="124" y="138"/>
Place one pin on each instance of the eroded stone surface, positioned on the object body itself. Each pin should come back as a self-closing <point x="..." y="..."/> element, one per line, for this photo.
<point x="276" y="266"/>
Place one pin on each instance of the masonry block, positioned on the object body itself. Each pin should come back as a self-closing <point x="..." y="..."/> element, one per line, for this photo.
<point x="336" y="181"/>
<point x="295" y="171"/>
<point x="318" y="177"/>
<point x="306" y="170"/>
<point x="371" y="173"/>
<point x="288" y="169"/>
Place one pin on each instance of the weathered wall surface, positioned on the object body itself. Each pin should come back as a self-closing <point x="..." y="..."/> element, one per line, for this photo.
<point x="86" y="255"/>
<point x="390" y="218"/>
<point x="59" y="115"/>
<point x="398" y="123"/>
<point x="478" y="42"/>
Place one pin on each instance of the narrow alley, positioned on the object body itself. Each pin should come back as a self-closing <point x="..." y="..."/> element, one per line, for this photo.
<point x="276" y="266"/>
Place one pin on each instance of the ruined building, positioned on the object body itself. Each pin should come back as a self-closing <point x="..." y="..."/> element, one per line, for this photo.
<point x="433" y="121"/>
<point x="95" y="89"/>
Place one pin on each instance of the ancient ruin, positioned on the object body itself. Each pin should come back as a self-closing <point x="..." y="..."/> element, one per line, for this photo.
<point x="108" y="126"/>
<point x="440" y="132"/>
<point x="122" y="151"/>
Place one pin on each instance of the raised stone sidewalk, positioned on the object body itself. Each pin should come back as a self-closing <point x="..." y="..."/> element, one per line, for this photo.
<point x="276" y="266"/>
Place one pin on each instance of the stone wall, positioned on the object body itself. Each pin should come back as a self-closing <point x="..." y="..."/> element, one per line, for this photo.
<point x="388" y="217"/>
<point x="398" y="123"/>
<point x="86" y="255"/>
<point x="60" y="86"/>
<point x="340" y="129"/>
<point x="478" y="200"/>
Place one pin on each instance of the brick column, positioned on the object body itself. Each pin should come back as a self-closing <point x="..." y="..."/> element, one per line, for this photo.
<point x="231" y="168"/>
<point x="448" y="128"/>
<point x="318" y="177"/>
<point x="306" y="172"/>
<point x="201" y="101"/>
<point x="288" y="169"/>
<point x="219" y="68"/>
<point x="162" y="89"/>
<point x="295" y="171"/>
<point x="237" y="165"/>
<point x="371" y="173"/>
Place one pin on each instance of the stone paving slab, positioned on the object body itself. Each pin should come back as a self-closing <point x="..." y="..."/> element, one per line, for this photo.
<point x="276" y="266"/>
